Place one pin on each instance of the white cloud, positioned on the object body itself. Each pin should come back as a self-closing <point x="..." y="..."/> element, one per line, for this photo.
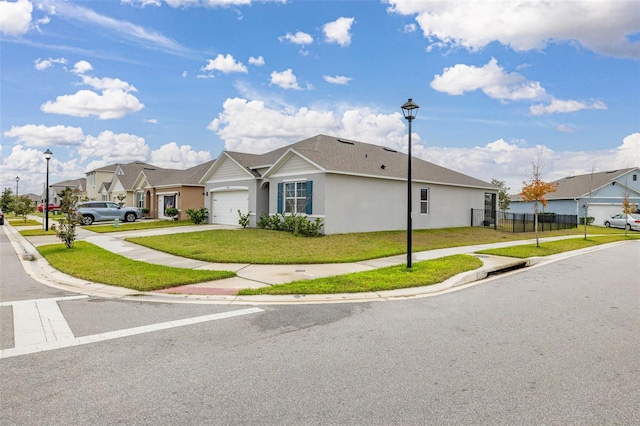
<point x="338" y="79"/>
<point x="247" y="126"/>
<point x="172" y="156"/>
<point x="43" y="64"/>
<point x="114" y="147"/>
<point x="285" y="79"/>
<point x="226" y="64"/>
<point x="30" y="165"/>
<point x="605" y="27"/>
<point x="111" y="104"/>
<point x="107" y="83"/>
<point x="490" y="78"/>
<point x="559" y="106"/>
<point x="207" y="3"/>
<point x="81" y="67"/>
<point x="410" y="28"/>
<point x="299" y="38"/>
<point x="127" y="31"/>
<point x="40" y="135"/>
<point x="151" y="120"/>
<point x="565" y="129"/>
<point x="15" y="17"/>
<point x="258" y="62"/>
<point x="338" y="31"/>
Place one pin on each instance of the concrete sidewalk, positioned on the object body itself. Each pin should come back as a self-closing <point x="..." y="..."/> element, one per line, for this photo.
<point x="248" y="275"/>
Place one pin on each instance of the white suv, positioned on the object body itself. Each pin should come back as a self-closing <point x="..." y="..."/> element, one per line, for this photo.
<point x="100" y="211"/>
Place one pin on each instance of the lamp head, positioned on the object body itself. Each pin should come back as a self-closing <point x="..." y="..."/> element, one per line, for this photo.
<point x="410" y="109"/>
<point x="48" y="154"/>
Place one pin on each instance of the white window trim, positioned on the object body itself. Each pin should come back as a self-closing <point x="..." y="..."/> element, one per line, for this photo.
<point x="295" y="197"/>
<point x="427" y="201"/>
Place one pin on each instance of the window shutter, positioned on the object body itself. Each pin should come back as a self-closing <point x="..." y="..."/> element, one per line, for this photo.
<point x="309" y="206"/>
<point x="280" y="191"/>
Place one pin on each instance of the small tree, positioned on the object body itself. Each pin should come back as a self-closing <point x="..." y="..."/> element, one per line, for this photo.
<point x="627" y="208"/>
<point x="503" y="195"/>
<point x="66" y="228"/>
<point x="535" y="190"/>
<point x="21" y="206"/>
<point x="121" y="199"/>
<point x="6" y="199"/>
<point x="197" y="216"/>
<point x="172" y="212"/>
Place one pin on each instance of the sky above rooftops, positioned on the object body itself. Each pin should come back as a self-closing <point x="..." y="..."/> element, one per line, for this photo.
<point x="175" y="82"/>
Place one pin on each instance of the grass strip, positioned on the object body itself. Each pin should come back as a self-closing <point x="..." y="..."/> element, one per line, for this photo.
<point x="22" y="222"/>
<point x="36" y="232"/>
<point x="390" y="278"/>
<point x="549" y="248"/>
<point x="260" y="246"/>
<point x="92" y="263"/>
<point x="136" y="226"/>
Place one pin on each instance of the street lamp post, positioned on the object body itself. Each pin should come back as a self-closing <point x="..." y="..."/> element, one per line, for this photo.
<point x="17" y="180"/>
<point x="47" y="155"/>
<point x="410" y="110"/>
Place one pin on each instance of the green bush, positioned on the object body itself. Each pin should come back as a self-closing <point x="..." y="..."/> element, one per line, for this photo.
<point x="172" y="212"/>
<point x="244" y="219"/>
<point x="197" y="216"/>
<point x="590" y="220"/>
<point x="296" y="224"/>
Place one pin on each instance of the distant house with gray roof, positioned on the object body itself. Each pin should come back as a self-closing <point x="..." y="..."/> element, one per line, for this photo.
<point x="157" y="189"/>
<point x="353" y="186"/>
<point x="602" y="192"/>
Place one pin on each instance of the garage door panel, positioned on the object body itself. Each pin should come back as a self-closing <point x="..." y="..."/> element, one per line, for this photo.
<point x="226" y="205"/>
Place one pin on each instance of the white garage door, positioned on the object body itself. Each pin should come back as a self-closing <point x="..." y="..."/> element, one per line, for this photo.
<point x="226" y="205"/>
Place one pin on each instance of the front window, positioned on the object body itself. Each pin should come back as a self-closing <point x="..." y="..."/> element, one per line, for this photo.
<point x="140" y="199"/>
<point x="295" y="197"/>
<point x="424" y="200"/>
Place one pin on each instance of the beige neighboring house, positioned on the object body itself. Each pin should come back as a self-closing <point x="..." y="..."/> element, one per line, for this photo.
<point x="56" y="188"/>
<point x="158" y="189"/>
<point x="96" y="180"/>
<point x="114" y="182"/>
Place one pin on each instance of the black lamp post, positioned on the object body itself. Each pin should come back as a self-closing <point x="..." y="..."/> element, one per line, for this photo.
<point x="47" y="155"/>
<point x="17" y="180"/>
<point x="410" y="110"/>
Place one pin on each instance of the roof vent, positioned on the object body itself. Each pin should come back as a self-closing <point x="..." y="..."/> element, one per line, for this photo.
<point x="389" y="149"/>
<point x="345" y="141"/>
<point x="383" y="167"/>
<point x="611" y="171"/>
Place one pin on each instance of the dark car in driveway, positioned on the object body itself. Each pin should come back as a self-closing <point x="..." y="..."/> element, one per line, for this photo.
<point x="100" y="211"/>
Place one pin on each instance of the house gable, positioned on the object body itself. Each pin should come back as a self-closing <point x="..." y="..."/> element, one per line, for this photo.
<point x="292" y="164"/>
<point x="226" y="169"/>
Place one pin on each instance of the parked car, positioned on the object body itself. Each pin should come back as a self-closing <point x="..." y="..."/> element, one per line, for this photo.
<point x="1" y="217"/>
<point x="51" y="207"/>
<point x="100" y="211"/>
<point x="630" y="221"/>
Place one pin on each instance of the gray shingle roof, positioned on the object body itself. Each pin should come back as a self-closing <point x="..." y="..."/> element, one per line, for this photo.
<point x="337" y="155"/>
<point x="578" y="186"/>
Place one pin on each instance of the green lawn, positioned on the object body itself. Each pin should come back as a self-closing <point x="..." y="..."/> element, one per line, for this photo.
<point x="393" y="277"/>
<point x="554" y="247"/>
<point x="22" y="222"/>
<point x="261" y="246"/>
<point x="36" y="232"/>
<point x="137" y="225"/>
<point x="93" y="263"/>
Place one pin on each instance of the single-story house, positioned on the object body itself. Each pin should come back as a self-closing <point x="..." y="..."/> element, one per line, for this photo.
<point x="158" y="189"/>
<point x="78" y="185"/>
<point x="602" y="192"/>
<point x="352" y="186"/>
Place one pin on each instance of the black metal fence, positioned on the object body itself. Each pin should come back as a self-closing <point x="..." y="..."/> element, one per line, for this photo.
<point x="523" y="222"/>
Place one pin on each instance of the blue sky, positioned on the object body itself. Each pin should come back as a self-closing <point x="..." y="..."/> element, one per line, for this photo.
<point x="176" y="82"/>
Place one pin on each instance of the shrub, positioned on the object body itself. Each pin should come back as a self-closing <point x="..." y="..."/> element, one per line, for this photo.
<point x="145" y="210"/>
<point x="172" y="212"/>
<point x="590" y="220"/>
<point x="296" y="224"/>
<point x="244" y="220"/>
<point x="66" y="229"/>
<point x="197" y="216"/>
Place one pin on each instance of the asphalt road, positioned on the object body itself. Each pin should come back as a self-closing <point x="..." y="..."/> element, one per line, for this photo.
<point x="554" y="344"/>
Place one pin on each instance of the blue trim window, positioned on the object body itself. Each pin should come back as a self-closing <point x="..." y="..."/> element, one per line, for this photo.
<point x="295" y="197"/>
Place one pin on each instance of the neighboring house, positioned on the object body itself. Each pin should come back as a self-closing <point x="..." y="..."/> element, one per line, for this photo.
<point x="158" y="189"/>
<point x="96" y="180"/>
<point x="114" y="182"/>
<point x="352" y="186"/>
<point x="56" y="188"/>
<point x="603" y="192"/>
